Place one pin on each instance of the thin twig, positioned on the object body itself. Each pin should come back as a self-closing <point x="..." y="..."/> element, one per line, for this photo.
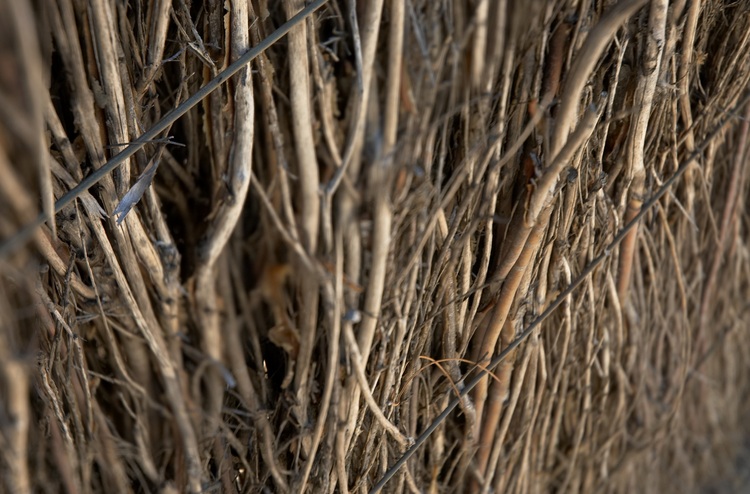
<point x="359" y="374"/>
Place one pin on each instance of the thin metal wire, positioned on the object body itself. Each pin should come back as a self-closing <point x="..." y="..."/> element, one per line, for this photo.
<point x="471" y="384"/>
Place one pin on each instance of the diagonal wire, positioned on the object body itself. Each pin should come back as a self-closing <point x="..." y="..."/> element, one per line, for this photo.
<point x="560" y="298"/>
<point x="20" y="238"/>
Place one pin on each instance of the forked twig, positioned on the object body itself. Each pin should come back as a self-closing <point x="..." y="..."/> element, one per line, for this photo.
<point x="170" y="118"/>
<point x="561" y="297"/>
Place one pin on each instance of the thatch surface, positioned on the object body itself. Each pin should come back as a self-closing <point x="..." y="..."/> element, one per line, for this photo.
<point x="330" y="243"/>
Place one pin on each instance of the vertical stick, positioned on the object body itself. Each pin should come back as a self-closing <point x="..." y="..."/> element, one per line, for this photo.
<point x="636" y="171"/>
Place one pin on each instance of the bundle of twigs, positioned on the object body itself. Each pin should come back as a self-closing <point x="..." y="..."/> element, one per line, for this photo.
<point x="277" y="281"/>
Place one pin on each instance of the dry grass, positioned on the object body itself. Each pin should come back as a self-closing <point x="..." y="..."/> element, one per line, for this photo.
<point x="324" y="251"/>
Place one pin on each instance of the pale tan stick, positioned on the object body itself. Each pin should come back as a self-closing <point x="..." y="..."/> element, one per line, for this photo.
<point x="548" y="445"/>
<point x="479" y="46"/>
<point x="683" y="82"/>
<point x="635" y="171"/>
<point x="496" y="43"/>
<point x="390" y="128"/>
<point x="108" y="53"/>
<point x="309" y="183"/>
<point x="223" y="224"/>
<point x="352" y="269"/>
<point x="370" y="27"/>
<point x="158" y="22"/>
<point x="341" y="447"/>
<point x="382" y="213"/>
<point x="334" y="335"/>
<point x="381" y="235"/>
<point x="393" y="82"/>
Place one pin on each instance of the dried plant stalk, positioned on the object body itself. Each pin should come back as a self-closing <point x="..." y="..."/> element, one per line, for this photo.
<point x="635" y="172"/>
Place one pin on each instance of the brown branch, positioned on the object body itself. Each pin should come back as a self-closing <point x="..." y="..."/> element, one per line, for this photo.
<point x="636" y="171"/>
<point x="309" y="183"/>
<point x="496" y="327"/>
<point x="586" y="59"/>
